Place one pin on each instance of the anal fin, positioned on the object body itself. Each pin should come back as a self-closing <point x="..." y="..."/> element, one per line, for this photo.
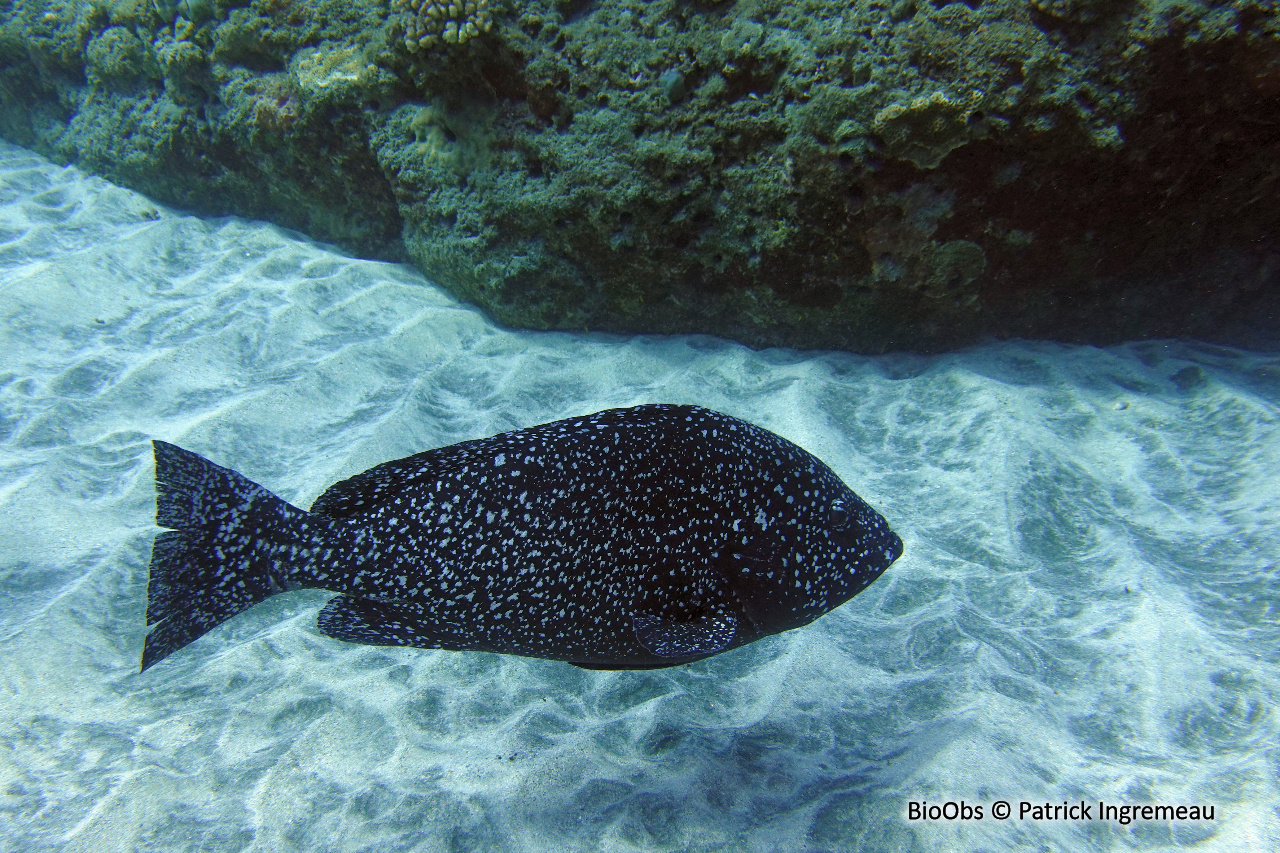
<point x="375" y="622"/>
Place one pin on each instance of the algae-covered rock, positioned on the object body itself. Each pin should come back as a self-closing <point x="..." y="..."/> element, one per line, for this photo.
<point x="185" y="66"/>
<point x="139" y="14"/>
<point x="1075" y="11"/>
<point x="810" y="172"/>
<point x="927" y="128"/>
<point x="118" y="58"/>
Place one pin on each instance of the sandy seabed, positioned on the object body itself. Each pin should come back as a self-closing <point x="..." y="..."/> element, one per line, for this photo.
<point x="1087" y="610"/>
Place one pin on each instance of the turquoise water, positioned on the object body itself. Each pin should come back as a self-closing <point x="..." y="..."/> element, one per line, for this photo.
<point x="1087" y="609"/>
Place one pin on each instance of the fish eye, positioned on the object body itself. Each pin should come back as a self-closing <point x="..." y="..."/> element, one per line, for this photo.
<point x="838" y="515"/>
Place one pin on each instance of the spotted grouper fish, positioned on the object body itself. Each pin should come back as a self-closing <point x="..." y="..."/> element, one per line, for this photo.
<point x="629" y="539"/>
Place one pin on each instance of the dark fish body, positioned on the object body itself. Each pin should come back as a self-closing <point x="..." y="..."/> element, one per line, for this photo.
<point x="628" y="539"/>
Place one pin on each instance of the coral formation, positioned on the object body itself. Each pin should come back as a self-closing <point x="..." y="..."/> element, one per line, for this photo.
<point x="428" y="23"/>
<point x="332" y="72"/>
<point x="926" y="129"/>
<point x="815" y="172"/>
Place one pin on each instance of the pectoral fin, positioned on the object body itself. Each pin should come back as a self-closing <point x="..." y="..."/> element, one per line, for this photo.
<point x="705" y="635"/>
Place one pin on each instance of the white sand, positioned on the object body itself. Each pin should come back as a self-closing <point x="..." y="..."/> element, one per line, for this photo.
<point x="1087" y="608"/>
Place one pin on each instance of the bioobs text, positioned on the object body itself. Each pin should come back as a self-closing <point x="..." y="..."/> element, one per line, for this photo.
<point x="949" y="810"/>
<point x="1121" y="813"/>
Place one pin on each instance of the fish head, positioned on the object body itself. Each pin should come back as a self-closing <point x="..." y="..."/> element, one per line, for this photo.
<point x="810" y="545"/>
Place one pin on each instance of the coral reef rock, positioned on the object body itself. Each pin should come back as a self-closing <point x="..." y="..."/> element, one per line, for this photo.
<point x="865" y="176"/>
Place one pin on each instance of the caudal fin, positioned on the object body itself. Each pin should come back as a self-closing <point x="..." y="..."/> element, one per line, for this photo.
<point x="216" y="558"/>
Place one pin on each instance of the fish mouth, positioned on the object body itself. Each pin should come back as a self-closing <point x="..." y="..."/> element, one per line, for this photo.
<point x="893" y="549"/>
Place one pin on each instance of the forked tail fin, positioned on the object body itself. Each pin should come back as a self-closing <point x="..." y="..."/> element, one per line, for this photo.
<point x="219" y="556"/>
